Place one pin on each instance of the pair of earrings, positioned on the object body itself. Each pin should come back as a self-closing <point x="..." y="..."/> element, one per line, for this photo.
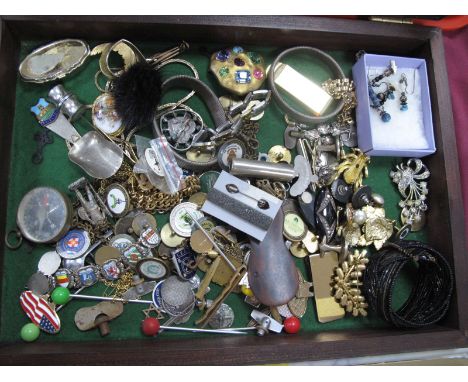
<point x="378" y="99"/>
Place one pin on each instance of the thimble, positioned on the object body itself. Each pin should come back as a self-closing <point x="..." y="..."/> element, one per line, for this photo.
<point x="177" y="297"/>
<point x="66" y="102"/>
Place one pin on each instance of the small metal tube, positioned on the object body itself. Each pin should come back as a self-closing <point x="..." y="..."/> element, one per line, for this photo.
<point x="263" y="170"/>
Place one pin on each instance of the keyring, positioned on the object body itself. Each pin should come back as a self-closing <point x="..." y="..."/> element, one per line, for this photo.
<point x="19" y="239"/>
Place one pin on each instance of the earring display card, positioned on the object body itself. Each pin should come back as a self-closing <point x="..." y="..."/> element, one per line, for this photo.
<point x="409" y="133"/>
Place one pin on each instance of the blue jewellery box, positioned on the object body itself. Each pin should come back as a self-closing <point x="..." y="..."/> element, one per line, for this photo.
<point x="406" y="128"/>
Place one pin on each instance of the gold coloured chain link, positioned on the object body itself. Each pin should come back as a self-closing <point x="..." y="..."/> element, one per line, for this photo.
<point x="342" y="89"/>
<point x="151" y="200"/>
<point x="116" y="289"/>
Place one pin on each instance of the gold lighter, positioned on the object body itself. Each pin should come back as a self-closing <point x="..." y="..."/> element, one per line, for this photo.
<point x="301" y="88"/>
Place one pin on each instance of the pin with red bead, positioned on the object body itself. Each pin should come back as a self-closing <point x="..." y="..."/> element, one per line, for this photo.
<point x="151" y="326"/>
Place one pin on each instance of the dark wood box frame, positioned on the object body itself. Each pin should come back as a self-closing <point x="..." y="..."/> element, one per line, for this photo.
<point x="445" y="225"/>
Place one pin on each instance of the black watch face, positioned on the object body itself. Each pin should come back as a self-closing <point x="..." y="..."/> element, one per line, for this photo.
<point x="42" y="215"/>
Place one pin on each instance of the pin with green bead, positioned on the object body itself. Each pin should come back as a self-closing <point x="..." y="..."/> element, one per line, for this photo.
<point x="61" y="296"/>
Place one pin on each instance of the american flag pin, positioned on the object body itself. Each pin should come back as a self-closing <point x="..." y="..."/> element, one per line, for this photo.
<point x="40" y="312"/>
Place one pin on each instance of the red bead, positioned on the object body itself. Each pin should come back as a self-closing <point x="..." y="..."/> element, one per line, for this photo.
<point x="150" y="326"/>
<point x="292" y="325"/>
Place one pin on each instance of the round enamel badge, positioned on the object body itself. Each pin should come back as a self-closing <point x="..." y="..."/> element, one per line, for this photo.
<point x="74" y="244"/>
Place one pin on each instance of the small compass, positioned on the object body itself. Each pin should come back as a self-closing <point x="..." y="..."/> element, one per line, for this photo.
<point x="44" y="215"/>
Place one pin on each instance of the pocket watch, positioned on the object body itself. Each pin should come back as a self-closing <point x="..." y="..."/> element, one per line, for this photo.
<point x="44" y="215"/>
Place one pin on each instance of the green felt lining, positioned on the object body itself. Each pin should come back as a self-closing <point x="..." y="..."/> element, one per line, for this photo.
<point x="57" y="171"/>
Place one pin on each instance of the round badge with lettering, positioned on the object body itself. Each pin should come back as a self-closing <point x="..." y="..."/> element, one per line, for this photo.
<point x="74" y="244"/>
<point x="157" y="299"/>
<point x="181" y="218"/>
<point x="152" y="269"/>
<point x="117" y="200"/>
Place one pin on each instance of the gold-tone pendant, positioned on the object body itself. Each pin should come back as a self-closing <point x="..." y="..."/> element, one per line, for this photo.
<point x="347" y="281"/>
<point x="238" y="71"/>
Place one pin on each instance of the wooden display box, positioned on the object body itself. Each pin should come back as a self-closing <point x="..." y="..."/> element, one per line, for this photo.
<point x="445" y="220"/>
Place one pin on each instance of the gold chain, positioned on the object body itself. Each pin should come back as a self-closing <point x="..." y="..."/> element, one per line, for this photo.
<point x="119" y="287"/>
<point x="151" y="200"/>
<point x="342" y="89"/>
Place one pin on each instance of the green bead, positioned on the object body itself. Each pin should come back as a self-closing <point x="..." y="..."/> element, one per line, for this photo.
<point x="30" y="332"/>
<point x="60" y="295"/>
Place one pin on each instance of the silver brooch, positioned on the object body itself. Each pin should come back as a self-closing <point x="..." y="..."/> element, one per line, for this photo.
<point x="410" y="179"/>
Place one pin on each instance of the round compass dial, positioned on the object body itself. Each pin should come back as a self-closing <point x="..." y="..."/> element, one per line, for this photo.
<point x="44" y="215"/>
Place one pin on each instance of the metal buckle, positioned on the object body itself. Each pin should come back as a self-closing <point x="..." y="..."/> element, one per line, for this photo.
<point x="245" y="109"/>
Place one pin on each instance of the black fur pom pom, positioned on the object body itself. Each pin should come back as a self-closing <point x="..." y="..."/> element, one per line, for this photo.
<point x="136" y="94"/>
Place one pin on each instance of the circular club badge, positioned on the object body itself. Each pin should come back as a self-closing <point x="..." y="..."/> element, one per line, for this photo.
<point x="152" y="269"/>
<point x="117" y="200"/>
<point x="74" y="244"/>
<point x="157" y="299"/>
<point x="122" y="242"/>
